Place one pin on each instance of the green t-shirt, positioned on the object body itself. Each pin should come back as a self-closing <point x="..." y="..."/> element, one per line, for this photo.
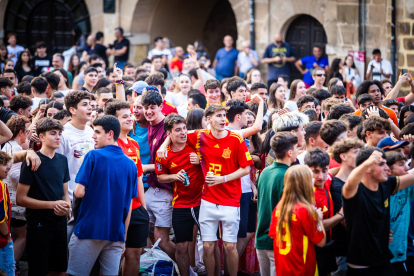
<point x="269" y="192"/>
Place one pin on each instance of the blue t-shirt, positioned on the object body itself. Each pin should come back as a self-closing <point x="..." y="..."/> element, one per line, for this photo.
<point x="109" y="191"/>
<point x="226" y="61"/>
<point x="308" y="62"/>
<point x="400" y="219"/>
<point x="278" y="68"/>
<point x="142" y="139"/>
<point x="410" y="236"/>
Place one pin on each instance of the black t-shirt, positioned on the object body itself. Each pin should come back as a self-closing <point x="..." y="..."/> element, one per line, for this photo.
<point x="21" y="72"/>
<point x="84" y="89"/>
<point x="100" y="50"/>
<point x="339" y="231"/>
<point x="367" y="217"/>
<point x="40" y="62"/>
<point x="6" y="114"/>
<point x="46" y="184"/>
<point x="119" y="45"/>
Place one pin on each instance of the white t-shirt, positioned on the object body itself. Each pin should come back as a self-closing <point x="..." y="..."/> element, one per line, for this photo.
<point x="385" y="65"/>
<point x="177" y="99"/>
<point x="35" y="103"/>
<point x="65" y="92"/>
<point x="182" y="110"/>
<point x="13" y="179"/>
<point x="163" y="52"/>
<point x="301" y="157"/>
<point x="245" y="180"/>
<point x="75" y="145"/>
<point x="16" y="50"/>
<point x="291" y="105"/>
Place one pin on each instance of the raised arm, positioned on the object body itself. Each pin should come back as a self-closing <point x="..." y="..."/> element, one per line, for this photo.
<point x="351" y="185"/>
<point x="5" y="133"/>
<point x="394" y="92"/>
<point x="257" y="126"/>
<point x="120" y="91"/>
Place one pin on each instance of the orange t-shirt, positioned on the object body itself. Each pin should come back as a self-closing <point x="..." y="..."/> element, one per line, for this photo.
<point x="390" y="113"/>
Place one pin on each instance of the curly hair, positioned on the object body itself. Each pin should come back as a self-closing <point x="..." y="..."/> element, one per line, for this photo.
<point x="376" y="123"/>
<point x="5" y="157"/>
<point x="115" y="106"/>
<point x="73" y="98"/>
<point x="17" y="124"/>
<point x="20" y="101"/>
<point x="344" y="146"/>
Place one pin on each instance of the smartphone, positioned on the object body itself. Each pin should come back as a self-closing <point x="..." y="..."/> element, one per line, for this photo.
<point x="404" y="71"/>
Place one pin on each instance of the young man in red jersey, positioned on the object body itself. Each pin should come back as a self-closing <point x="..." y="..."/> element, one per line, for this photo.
<point x="181" y="160"/>
<point x="212" y="88"/>
<point x="157" y="79"/>
<point x="138" y="229"/>
<point x="225" y="155"/>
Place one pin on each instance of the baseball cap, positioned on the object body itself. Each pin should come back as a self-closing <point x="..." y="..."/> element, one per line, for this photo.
<point x="139" y="86"/>
<point x="150" y="88"/>
<point x="391" y="143"/>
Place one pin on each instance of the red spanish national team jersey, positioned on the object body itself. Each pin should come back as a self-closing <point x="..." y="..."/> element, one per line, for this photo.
<point x="296" y="255"/>
<point x="222" y="157"/>
<point x="168" y="108"/>
<point x="321" y="199"/>
<point x="183" y="196"/>
<point x="132" y="151"/>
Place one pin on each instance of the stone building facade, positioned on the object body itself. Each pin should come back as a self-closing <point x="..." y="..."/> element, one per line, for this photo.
<point x="184" y="21"/>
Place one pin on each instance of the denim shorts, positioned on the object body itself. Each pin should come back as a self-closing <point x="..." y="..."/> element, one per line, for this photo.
<point x="7" y="263"/>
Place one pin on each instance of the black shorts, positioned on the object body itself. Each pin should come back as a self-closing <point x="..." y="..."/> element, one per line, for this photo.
<point x="247" y="215"/>
<point x="183" y="223"/>
<point x="47" y="248"/>
<point x="16" y="223"/>
<point x="138" y="229"/>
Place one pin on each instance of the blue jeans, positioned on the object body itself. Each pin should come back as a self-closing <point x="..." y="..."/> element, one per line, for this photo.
<point x="7" y="263"/>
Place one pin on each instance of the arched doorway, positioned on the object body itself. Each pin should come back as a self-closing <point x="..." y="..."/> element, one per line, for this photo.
<point x="304" y="33"/>
<point x="184" y="22"/>
<point x="48" y="20"/>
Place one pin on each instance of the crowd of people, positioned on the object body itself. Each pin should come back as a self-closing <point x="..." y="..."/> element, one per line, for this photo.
<point x="98" y="163"/>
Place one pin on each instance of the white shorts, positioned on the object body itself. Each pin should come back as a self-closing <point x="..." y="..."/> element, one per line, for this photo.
<point x="210" y="216"/>
<point x="159" y="206"/>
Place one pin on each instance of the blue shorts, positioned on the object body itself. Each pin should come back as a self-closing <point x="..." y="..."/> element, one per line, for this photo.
<point x="7" y="263"/>
<point x="247" y="215"/>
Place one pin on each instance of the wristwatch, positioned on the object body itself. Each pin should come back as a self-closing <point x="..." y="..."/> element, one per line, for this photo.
<point x="7" y="236"/>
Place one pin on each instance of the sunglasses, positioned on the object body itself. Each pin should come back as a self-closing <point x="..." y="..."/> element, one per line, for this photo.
<point x="320" y="75"/>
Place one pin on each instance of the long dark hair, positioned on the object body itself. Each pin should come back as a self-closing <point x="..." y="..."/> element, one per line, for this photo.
<point x="272" y="102"/>
<point x="101" y="83"/>
<point x="19" y="62"/>
<point x="77" y="71"/>
<point x="71" y="68"/>
<point x="402" y="113"/>
<point x="334" y="68"/>
<point x="65" y="75"/>
<point x="353" y="61"/>
<point x="195" y="118"/>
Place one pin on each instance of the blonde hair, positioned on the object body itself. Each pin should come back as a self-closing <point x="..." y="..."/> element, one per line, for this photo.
<point x="298" y="188"/>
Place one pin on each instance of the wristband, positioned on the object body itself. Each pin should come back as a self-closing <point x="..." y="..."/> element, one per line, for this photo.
<point x="225" y="178"/>
<point x="118" y="82"/>
<point x="198" y="68"/>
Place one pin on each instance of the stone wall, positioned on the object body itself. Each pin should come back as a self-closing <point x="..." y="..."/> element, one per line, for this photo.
<point x="404" y="34"/>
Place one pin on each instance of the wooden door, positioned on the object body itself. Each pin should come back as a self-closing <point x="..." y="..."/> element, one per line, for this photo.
<point x="304" y="33"/>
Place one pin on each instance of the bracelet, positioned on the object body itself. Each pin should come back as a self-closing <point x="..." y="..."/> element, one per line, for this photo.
<point x="198" y="68"/>
<point x="225" y="178"/>
<point x="341" y="215"/>
<point x="118" y="82"/>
